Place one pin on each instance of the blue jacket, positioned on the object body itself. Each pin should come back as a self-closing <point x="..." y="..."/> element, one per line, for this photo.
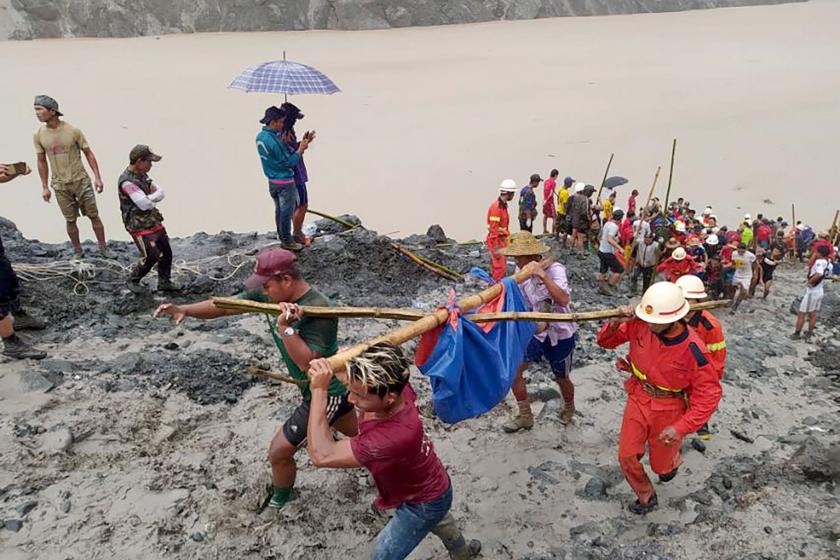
<point x="278" y="162"/>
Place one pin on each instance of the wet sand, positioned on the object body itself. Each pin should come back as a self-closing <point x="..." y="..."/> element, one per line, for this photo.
<point x="431" y="119"/>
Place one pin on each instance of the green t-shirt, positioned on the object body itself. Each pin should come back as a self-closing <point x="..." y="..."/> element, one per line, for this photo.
<point x="321" y="335"/>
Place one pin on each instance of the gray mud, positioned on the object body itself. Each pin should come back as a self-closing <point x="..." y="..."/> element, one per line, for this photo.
<point x="140" y="439"/>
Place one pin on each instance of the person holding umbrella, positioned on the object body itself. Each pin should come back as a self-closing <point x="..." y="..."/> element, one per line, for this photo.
<point x="278" y="164"/>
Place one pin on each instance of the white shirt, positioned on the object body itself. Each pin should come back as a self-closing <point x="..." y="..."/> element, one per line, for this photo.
<point x="820" y="266"/>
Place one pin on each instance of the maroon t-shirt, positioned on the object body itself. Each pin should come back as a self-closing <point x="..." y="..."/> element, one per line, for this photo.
<point x="400" y="457"/>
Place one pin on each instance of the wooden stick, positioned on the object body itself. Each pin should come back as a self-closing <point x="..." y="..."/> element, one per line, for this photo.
<point x="427" y="323"/>
<point x="574" y="317"/>
<point x="253" y="370"/>
<point x="430" y="262"/>
<point x="427" y="265"/>
<point x="604" y="180"/>
<point x="246" y="306"/>
<point x="670" y="174"/>
<point x="345" y="223"/>
<point x="644" y="215"/>
<point x="832" y="231"/>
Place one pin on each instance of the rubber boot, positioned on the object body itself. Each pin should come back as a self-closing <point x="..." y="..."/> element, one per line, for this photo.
<point x="14" y="347"/>
<point x="567" y="389"/>
<point x="167" y="285"/>
<point x="522" y="421"/>
<point x="447" y="531"/>
<point x="26" y="322"/>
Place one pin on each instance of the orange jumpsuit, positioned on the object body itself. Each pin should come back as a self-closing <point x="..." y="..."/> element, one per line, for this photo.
<point x="667" y="374"/>
<point x="497" y="237"/>
<point x="710" y="332"/>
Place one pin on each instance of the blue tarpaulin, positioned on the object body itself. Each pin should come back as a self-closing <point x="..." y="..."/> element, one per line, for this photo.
<point x="471" y="370"/>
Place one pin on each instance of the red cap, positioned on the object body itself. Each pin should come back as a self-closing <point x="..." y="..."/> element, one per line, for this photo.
<point x="270" y="264"/>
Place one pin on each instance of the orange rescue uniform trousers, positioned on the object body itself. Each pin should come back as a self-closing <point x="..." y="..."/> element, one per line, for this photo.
<point x="498" y="264"/>
<point x="644" y="419"/>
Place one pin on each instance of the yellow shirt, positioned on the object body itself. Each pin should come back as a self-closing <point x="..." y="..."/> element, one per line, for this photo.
<point x="608" y="206"/>
<point x="63" y="146"/>
<point x="562" y="199"/>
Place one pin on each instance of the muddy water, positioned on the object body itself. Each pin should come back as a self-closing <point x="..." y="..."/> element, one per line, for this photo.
<point x="431" y="119"/>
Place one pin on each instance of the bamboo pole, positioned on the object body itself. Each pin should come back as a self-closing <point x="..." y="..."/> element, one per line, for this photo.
<point x="430" y="262"/>
<point x="644" y="215"/>
<point x="670" y="174"/>
<point x="604" y="180"/>
<point x="345" y="223"/>
<point x="253" y="370"/>
<point x="431" y="266"/>
<point x="427" y="323"/>
<point x="575" y="317"/>
<point x="832" y="231"/>
<point x="246" y="306"/>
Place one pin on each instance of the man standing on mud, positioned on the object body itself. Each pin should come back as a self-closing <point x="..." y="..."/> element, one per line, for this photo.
<point x="546" y="290"/>
<point x="14" y="346"/>
<point x="814" y="293"/>
<point x="278" y="164"/>
<point x="669" y="366"/>
<point x="139" y="195"/>
<point x="300" y="340"/>
<point x="59" y="146"/>
<point x="391" y="445"/>
<point x="498" y="228"/>
<point x="579" y="214"/>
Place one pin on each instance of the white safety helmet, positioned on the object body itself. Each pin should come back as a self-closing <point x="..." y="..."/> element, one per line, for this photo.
<point x="712" y="240"/>
<point x="747" y="217"/>
<point x="662" y="303"/>
<point x="508" y="186"/>
<point x="707" y="211"/>
<point x="679" y="226"/>
<point x="692" y="287"/>
<point x="678" y="254"/>
<point x="579" y="186"/>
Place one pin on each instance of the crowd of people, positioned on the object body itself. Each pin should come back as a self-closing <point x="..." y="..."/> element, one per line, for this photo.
<point x="663" y="241"/>
<point x="675" y="359"/>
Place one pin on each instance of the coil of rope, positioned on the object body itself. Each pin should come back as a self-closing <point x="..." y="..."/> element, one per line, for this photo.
<point x="84" y="273"/>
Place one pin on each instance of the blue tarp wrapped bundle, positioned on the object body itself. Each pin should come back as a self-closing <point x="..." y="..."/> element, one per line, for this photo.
<point x="472" y="366"/>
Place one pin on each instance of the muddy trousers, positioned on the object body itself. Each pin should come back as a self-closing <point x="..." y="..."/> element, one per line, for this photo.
<point x="640" y="428"/>
<point x="154" y="250"/>
<point x="498" y="265"/>
<point x="410" y="525"/>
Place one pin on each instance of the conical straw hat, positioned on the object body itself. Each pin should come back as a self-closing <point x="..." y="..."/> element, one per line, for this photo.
<point x="524" y="244"/>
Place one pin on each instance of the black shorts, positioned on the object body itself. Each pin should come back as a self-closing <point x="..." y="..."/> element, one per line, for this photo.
<point x="295" y="427"/>
<point x="9" y="286"/>
<point x="609" y="262"/>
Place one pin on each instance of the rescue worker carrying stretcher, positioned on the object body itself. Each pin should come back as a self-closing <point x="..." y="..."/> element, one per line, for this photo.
<point x="498" y="230"/>
<point x="673" y="390"/>
<point x="708" y="328"/>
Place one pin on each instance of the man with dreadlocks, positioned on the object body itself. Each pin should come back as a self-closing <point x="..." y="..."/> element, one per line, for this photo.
<point x="392" y="446"/>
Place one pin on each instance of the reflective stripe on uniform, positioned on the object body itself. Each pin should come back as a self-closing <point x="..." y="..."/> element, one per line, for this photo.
<point x="714" y="347"/>
<point x="494" y="219"/>
<point x="643" y="377"/>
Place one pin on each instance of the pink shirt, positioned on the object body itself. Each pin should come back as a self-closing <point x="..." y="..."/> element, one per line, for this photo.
<point x="401" y="459"/>
<point x="541" y="301"/>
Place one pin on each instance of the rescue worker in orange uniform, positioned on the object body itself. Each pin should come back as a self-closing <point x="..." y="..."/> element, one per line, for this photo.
<point x="498" y="230"/>
<point x="708" y="328"/>
<point x="678" y="264"/>
<point x="673" y="388"/>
